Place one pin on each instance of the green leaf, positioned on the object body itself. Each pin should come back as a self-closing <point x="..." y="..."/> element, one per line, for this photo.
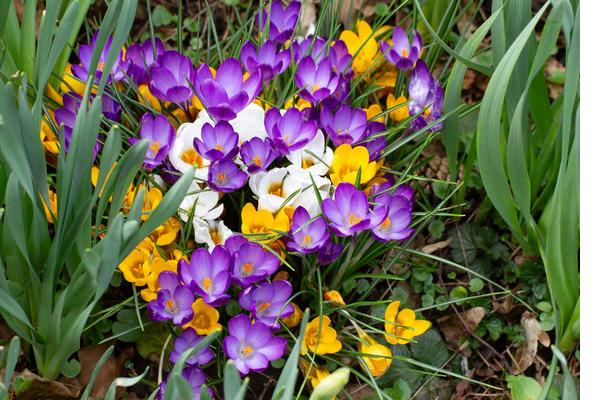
<point x="476" y="285"/>
<point x="523" y="387"/>
<point x="162" y="17"/>
<point x="71" y="368"/>
<point x="400" y="391"/>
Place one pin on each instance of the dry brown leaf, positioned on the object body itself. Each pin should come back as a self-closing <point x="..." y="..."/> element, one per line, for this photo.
<point x="112" y="368"/>
<point x="45" y="389"/>
<point x="533" y="334"/>
<point x="452" y="327"/>
<point x="309" y="15"/>
<point x="432" y="248"/>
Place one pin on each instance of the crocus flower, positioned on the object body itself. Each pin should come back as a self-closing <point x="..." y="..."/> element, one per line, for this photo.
<point x="225" y="176"/>
<point x="200" y="203"/>
<point x="345" y="124"/>
<point x="312" y="46"/>
<point x="402" y="326"/>
<point x="173" y="301"/>
<point x="262" y="223"/>
<point x="217" y="142"/>
<point x="182" y="155"/>
<point x="85" y="53"/>
<point x="289" y="132"/>
<point x="315" y="81"/>
<point x="141" y="57"/>
<point x="280" y="21"/>
<point x="211" y="233"/>
<point x="195" y="377"/>
<point x="207" y="274"/>
<point x="157" y="266"/>
<point x="362" y="46"/>
<point x="67" y="115"/>
<point x="250" y="123"/>
<point x="349" y="211"/>
<point x="205" y="320"/>
<point x="307" y="236"/>
<point x="407" y="192"/>
<point x="395" y="226"/>
<point x="320" y="337"/>
<point x="426" y="98"/>
<point x="251" y="346"/>
<point x="293" y="319"/>
<point x="171" y="75"/>
<point x="348" y="160"/>
<point x="400" y="51"/>
<point x="376" y="356"/>
<point x="136" y="267"/>
<point x="257" y="154"/>
<point x="334" y="297"/>
<point x="329" y="252"/>
<point x="399" y="105"/>
<point x="227" y="93"/>
<point x="160" y="133"/>
<point x="268" y="302"/>
<point x="341" y="60"/>
<point x="187" y="340"/>
<point x="266" y="60"/>
<point x="276" y="187"/>
<point x="252" y="263"/>
<point x="374" y="141"/>
<point x="314" y="158"/>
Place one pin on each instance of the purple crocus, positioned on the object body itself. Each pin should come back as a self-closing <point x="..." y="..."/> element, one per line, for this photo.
<point x="316" y="81"/>
<point x="280" y="21"/>
<point x="329" y="252"/>
<point x="426" y="98"/>
<point x="289" y="132"/>
<point x="252" y="263"/>
<point x="266" y="60"/>
<point x="341" y="60"/>
<point x="141" y="57"/>
<point x="187" y="340"/>
<point x="268" y="302"/>
<point x="159" y="132"/>
<point x="219" y="141"/>
<point x="349" y="211"/>
<point x="171" y="74"/>
<point x="312" y="46"/>
<point x="111" y="108"/>
<point x="207" y="274"/>
<point x="227" y="93"/>
<point x="225" y="176"/>
<point x="395" y="225"/>
<point x="257" y="154"/>
<point x="173" y="301"/>
<point x="307" y="236"/>
<point x="67" y="115"/>
<point x="85" y="53"/>
<point x="407" y="192"/>
<point x="345" y="124"/>
<point x="195" y="377"/>
<point x="374" y="141"/>
<point x="401" y="52"/>
<point x="251" y="346"/>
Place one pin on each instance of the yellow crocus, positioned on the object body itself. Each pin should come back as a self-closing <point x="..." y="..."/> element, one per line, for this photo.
<point x="362" y="45"/>
<point x="296" y="102"/>
<point x="157" y="266"/>
<point x="320" y="337"/>
<point x="205" y="320"/>
<point x="400" y="113"/>
<point x="334" y="297"/>
<point x="347" y="160"/>
<point x="315" y="373"/>
<point x="70" y="83"/>
<point x="136" y="267"/>
<point x="377" y="357"/>
<point x="147" y="98"/>
<point x="48" y="137"/>
<point x="294" y="319"/>
<point x="262" y="222"/>
<point x="52" y="208"/>
<point x="374" y="110"/>
<point x="402" y="326"/>
<point x="166" y="233"/>
<point x="150" y="201"/>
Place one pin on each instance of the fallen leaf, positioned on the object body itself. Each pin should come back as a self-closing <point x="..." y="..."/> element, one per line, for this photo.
<point x="452" y="327"/>
<point x="44" y="389"/>
<point x="433" y="247"/>
<point x="112" y="368"/>
<point x="533" y="334"/>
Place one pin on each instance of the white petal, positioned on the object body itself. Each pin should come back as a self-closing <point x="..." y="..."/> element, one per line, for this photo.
<point x="250" y="123"/>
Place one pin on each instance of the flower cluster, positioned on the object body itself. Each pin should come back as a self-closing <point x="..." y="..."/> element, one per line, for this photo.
<point x="277" y="175"/>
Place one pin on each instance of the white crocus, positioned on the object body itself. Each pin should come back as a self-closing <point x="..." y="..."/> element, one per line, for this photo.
<point x="308" y="198"/>
<point x="211" y="233"/>
<point x="202" y="202"/>
<point x="182" y="155"/>
<point x="315" y="158"/>
<point x="275" y="188"/>
<point x="249" y="123"/>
